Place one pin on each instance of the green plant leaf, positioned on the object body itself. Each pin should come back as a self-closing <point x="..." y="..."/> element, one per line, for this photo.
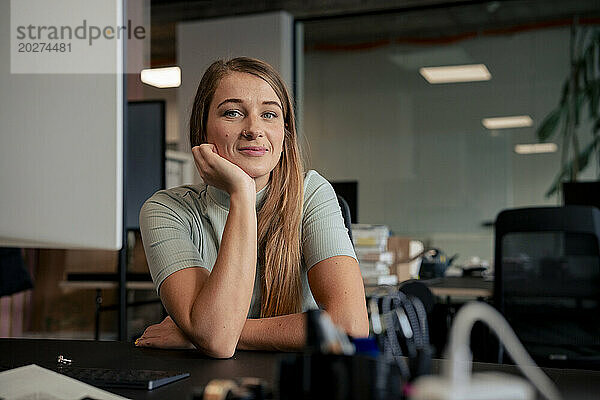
<point x="583" y="160"/>
<point x="556" y="184"/>
<point x="588" y="60"/>
<point x="564" y="93"/>
<point x="593" y="94"/>
<point x="548" y="126"/>
<point x="581" y="86"/>
<point x="579" y="100"/>
<point x="584" y="156"/>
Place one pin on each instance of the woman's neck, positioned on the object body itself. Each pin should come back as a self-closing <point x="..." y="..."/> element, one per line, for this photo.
<point x="261" y="182"/>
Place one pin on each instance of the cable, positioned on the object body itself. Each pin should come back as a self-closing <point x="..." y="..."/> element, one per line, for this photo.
<point x="422" y="314"/>
<point x="458" y="369"/>
<point x="392" y="349"/>
<point x="409" y="308"/>
<point x="379" y="326"/>
<point x="396" y="319"/>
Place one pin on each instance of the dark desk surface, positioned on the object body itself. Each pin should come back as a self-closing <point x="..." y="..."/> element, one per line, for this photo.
<point x="468" y="286"/>
<point x="573" y="384"/>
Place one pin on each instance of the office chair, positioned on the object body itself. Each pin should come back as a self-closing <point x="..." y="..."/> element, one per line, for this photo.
<point x="547" y="282"/>
<point x="14" y="277"/>
<point x="346" y="215"/>
<point x="418" y="289"/>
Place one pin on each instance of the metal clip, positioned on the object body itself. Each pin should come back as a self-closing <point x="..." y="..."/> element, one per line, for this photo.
<point x="63" y="361"/>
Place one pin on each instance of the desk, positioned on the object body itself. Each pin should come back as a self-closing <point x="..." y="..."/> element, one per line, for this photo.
<point x="467" y="287"/>
<point x="464" y="287"/>
<point x="105" y="285"/>
<point x="135" y="281"/>
<point x="575" y="385"/>
<point x="100" y="281"/>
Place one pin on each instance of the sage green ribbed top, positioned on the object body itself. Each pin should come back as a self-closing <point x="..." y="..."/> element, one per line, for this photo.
<point x="182" y="228"/>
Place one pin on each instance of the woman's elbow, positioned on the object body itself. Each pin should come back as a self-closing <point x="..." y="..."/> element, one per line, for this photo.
<point x="357" y="328"/>
<point x="354" y="325"/>
<point x="216" y="347"/>
<point x="221" y="352"/>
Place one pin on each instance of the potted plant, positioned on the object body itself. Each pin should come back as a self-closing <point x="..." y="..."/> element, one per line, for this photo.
<point x="580" y="94"/>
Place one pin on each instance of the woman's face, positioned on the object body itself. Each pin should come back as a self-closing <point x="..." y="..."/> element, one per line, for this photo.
<point x="245" y="123"/>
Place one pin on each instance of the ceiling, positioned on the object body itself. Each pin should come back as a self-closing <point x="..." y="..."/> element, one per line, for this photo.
<point x="331" y="23"/>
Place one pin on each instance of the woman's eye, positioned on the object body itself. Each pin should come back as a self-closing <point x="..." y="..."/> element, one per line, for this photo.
<point x="232" y="113"/>
<point x="269" y="115"/>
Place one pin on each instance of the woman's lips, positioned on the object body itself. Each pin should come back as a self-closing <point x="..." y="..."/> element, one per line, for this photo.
<point x="254" y="151"/>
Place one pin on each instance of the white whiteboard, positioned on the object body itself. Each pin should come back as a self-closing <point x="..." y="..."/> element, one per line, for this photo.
<point x="61" y="154"/>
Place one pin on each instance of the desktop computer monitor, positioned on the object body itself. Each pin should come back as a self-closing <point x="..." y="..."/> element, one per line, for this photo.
<point x="581" y="193"/>
<point x="61" y="152"/>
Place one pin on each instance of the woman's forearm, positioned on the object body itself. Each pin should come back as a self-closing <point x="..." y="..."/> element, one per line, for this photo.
<point x="220" y="309"/>
<point x="288" y="332"/>
<point x="283" y="333"/>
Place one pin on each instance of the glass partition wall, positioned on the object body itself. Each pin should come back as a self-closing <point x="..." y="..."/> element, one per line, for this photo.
<point x="425" y="162"/>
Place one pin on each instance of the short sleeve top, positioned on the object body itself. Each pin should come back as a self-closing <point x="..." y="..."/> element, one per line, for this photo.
<point x="182" y="228"/>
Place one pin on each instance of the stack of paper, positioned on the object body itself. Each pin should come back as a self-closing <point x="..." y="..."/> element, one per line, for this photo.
<point x="370" y="244"/>
<point x="35" y="382"/>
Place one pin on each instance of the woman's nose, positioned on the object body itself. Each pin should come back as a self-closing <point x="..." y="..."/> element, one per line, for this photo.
<point x="248" y="134"/>
<point x="252" y="130"/>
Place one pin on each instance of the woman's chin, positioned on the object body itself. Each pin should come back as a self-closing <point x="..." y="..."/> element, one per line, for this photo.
<point x="255" y="172"/>
<point x="260" y="178"/>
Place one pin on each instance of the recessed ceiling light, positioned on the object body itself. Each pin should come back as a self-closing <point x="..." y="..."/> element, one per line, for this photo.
<point x="536" y="148"/>
<point x="162" y="77"/>
<point x="516" y="121"/>
<point x="456" y="73"/>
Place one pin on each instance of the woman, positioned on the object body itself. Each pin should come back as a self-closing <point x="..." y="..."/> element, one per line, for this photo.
<point x="238" y="259"/>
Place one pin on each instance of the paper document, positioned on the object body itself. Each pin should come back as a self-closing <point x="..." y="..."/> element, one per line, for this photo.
<point x="35" y="382"/>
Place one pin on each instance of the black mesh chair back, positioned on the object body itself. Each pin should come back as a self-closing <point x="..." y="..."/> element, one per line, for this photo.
<point x="346" y="215"/>
<point x="547" y="282"/>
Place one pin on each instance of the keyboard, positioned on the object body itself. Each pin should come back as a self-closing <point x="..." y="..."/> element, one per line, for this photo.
<point x="121" y="378"/>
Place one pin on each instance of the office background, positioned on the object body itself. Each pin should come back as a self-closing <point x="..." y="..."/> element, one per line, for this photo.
<point x="424" y="163"/>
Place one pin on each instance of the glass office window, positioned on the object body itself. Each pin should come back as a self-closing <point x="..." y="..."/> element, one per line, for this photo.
<point x="424" y="162"/>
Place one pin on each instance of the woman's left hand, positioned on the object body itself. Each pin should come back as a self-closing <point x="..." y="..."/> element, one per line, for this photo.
<point x="165" y="335"/>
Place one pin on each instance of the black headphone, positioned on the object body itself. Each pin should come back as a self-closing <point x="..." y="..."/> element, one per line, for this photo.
<point x="399" y="322"/>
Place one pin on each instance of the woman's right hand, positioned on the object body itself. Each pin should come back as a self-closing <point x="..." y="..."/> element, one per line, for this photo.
<point x="220" y="172"/>
<point x="165" y="335"/>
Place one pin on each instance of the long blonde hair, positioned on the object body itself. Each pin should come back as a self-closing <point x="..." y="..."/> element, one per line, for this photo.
<point x="279" y="218"/>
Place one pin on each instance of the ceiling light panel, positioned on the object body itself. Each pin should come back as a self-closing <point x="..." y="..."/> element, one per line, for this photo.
<point x="456" y="73"/>
<point x="536" y="148"/>
<point x="162" y="77"/>
<point x="515" y="121"/>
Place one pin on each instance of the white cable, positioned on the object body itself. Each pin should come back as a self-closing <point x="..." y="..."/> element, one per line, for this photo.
<point x="458" y="368"/>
